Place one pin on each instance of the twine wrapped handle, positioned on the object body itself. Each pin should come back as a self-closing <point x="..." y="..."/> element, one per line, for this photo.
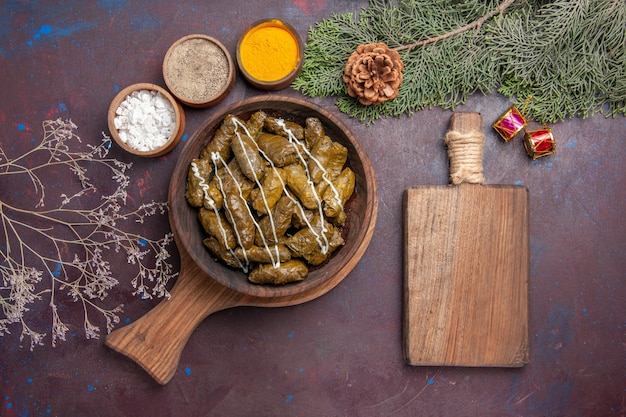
<point x="465" y="142"/>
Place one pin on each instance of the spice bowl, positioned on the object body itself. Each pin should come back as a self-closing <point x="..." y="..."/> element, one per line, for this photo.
<point x="146" y="120"/>
<point x="198" y="70"/>
<point x="270" y="54"/>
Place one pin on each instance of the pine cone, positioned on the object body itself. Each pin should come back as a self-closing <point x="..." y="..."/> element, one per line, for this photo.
<point x="373" y="73"/>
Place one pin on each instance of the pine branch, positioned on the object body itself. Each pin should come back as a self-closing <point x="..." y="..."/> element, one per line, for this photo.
<point x="570" y="55"/>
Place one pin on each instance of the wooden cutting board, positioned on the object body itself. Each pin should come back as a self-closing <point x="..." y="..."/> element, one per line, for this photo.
<point x="466" y="268"/>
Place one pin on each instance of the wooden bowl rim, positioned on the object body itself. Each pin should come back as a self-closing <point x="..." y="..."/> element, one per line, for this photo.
<point x="222" y="93"/>
<point x="179" y="117"/>
<point x="319" y="278"/>
<point x="287" y="79"/>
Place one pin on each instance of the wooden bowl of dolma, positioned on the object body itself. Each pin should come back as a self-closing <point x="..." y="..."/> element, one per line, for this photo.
<point x="206" y="285"/>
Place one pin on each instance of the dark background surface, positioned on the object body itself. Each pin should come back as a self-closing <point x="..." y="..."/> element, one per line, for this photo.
<point x="341" y="354"/>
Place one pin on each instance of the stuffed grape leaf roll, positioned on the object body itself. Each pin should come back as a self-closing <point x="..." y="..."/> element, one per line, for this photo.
<point x="278" y="149"/>
<point x="299" y="183"/>
<point x="221" y="142"/>
<point x="291" y="271"/>
<point x="327" y="161"/>
<point x="278" y="223"/>
<point x="240" y="218"/>
<point x="255" y="123"/>
<point x="313" y="131"/>
<point x="218" y="250"/>
<point x="335" y="196"/>
<point x="282" y="127"/>
<point x="265" y="197"/>
<point x="214" y="224"/>
<point x="264" y="255"/>
<point x="246" y="153"/>
<point x="317" y="243"/>
<point x="197" y="182"/>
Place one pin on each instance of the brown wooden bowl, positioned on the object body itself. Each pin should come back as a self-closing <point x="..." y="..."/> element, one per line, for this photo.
<point x="360" y="209"/>
<point x="205" y="285"/>
<point x="179" y="117"/>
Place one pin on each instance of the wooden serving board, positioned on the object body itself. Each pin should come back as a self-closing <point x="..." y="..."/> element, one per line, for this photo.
<point x="466" y="268"/>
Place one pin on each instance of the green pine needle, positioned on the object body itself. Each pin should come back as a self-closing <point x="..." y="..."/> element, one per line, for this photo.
<point x="568" y="55"/>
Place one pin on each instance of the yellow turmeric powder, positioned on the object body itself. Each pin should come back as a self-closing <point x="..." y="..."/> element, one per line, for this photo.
<point x="269" y="51"/>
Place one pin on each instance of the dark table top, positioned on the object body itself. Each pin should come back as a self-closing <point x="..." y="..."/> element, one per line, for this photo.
<point x="340" y="354"/>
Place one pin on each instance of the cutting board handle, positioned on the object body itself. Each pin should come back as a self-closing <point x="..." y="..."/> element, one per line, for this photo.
<point x="466" y="266"/>
<point x="156" y="340"/>
<point x="465" y="142"/>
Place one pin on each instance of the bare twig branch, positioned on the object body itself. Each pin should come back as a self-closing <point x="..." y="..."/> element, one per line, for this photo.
<point x="476" y="24"/>
<point x="63" y="250"/>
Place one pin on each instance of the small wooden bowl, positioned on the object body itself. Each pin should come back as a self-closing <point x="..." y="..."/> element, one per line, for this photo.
<point x="242" y="59"/>
<point x="198" y="70"/>
<point x="179" y="117"/>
